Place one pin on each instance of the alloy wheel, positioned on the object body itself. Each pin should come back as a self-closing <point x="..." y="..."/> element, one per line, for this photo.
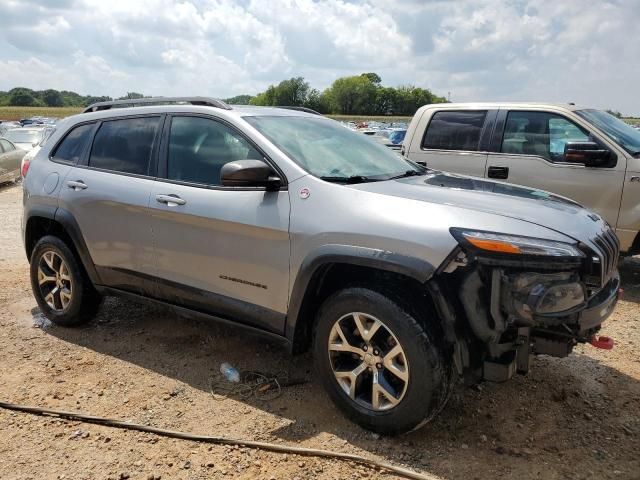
<point x="54" y="281"/>
<point x="368" y="361"/>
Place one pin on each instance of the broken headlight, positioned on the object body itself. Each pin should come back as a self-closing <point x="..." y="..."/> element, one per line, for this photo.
<point x="544" y="294"/>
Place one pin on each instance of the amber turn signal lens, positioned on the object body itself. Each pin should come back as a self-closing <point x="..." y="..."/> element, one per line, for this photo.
<point x="493" y="245"/>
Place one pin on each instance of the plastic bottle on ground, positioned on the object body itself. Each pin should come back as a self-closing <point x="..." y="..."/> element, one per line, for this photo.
<point x="230" y="373"/>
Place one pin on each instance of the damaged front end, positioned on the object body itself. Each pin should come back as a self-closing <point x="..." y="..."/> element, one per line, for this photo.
<point x="516" y="296"/>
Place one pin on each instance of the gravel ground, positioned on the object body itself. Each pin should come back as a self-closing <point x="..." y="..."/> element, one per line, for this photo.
<point x="572" y="418"/>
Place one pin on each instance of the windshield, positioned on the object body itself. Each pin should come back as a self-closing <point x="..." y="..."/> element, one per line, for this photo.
<point x="23" y="136"/>
<point x="325" y="148"/>
<point x="620" y="132"/>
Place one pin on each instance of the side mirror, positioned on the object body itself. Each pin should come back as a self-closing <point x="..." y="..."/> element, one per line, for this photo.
<point x="249" y="173"/>
<point x="589" y="154"/>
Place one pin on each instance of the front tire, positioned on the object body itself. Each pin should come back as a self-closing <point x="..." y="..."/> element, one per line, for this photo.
<point x="60" y="285"/>
<point x="381" y="367"/>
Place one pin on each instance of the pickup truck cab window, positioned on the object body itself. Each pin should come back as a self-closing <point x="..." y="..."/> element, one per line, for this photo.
<point x="542" y="134"/>
<point x="455" y="130"/>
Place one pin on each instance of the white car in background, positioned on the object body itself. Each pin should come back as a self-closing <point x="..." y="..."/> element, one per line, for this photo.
<point x="27" y="138"/>
<point x="47" y="132"/>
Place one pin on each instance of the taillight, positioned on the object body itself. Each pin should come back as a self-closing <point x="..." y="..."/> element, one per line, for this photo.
<point x="24" y="168"/>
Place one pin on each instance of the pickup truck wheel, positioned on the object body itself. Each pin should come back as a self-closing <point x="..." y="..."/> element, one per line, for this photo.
<point x="62" y="289"/>
<point x="378" y="363"/>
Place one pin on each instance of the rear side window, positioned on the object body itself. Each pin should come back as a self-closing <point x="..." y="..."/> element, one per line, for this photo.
<point x="71" y="148"/>
<point x="455" y="130"/>
<point x="124" y="145"/>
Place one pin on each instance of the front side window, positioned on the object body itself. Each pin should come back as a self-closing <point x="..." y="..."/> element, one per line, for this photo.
<point x="71" y="148"/>
<point x="124" y="145"/>
<point x="199" y="147"/>
<point x="455" y="130"/>
<point x="540" y="133"/>
<point x="6" y="146"/>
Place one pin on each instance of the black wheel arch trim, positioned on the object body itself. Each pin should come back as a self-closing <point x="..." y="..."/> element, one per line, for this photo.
<point x="31" y="211"/>
<point x="71" y="227"/>
<point x="413" y="267"/>
<point x="68" y="221"/>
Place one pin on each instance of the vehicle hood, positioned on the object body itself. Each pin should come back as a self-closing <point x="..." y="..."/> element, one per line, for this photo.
<point x="534" y="206"/>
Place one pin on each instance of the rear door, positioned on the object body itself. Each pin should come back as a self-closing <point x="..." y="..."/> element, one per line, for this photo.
<point x="528" y="149"/>
<point x="107" y="194"/>
<point x="453" y="140"/>
<point x="221" y="250"/>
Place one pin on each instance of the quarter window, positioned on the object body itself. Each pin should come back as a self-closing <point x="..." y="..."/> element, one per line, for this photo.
<point x="199" y="147"/>
<point x="540" y="133"/>
<point x="124" y="145"/>
<point x="71" y="148"/>
<point x="455" y="130"/>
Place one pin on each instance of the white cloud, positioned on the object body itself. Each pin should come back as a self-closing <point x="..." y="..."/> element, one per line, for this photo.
<point x="545" y="50"/>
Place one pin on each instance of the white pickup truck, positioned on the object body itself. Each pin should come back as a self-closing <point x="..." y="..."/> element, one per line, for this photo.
<point x="585" y="154"/>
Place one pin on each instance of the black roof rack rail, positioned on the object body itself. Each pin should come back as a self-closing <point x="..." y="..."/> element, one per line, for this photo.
<point x="141" y="102"/>
<point x="301" y="109"/>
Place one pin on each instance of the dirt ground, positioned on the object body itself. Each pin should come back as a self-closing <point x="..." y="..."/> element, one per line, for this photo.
<point x="571" y="418"/>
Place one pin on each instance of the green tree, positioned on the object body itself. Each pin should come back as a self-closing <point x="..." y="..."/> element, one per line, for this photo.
<point x="317" y="101"/>
<point x="131" y="95"/>
<point x="52" y="98"/>
<point x="266" y="98"/>
<point x="352" y="95"/>
<point x="89" y="99"/>
<point x="22" y="97"/>
<point x="239" y="100"/>
<point x="374" y="77"/>
<point x="386" y="102"/>
<point x="292" y="92"/>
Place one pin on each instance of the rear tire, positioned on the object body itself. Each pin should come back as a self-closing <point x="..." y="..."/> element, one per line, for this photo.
<point x="60" y="285"/>
<point x="385" y="370"/>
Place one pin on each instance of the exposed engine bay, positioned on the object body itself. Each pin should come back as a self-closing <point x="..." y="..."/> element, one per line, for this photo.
<point x="502" y="311"/>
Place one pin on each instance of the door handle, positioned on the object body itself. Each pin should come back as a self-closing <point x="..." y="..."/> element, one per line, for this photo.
<point x="171" y="200"/>
<point x="77" y="185"/>
<point x="498" y="172"/>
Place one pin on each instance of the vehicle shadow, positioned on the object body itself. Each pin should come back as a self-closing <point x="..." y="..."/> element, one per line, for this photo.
<point x="630" y="275"/>
<point x="566" y="412"/>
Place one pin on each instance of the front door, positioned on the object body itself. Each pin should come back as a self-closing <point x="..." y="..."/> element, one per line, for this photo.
<point x="220" y="250"/>
<point x="531" y="153"/>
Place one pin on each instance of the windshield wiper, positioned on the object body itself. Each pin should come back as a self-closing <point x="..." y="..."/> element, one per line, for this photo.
<point x="349" y="180"/>
<point x="408" y="173"/>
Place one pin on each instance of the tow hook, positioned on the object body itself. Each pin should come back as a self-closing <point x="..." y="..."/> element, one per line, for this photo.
<point x="605" y="343"/>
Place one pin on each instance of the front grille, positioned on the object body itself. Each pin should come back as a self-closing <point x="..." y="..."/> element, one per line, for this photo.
<point x="608" y="253"/>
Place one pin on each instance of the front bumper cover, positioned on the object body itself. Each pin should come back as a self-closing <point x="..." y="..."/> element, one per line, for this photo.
<point x="600" y="306"/>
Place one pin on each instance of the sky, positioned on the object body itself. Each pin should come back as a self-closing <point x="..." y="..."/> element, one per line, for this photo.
<point x="482" y="50"/>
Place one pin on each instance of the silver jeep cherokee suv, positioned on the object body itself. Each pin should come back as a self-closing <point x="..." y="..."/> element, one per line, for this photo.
<point x="397" y="277"/>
